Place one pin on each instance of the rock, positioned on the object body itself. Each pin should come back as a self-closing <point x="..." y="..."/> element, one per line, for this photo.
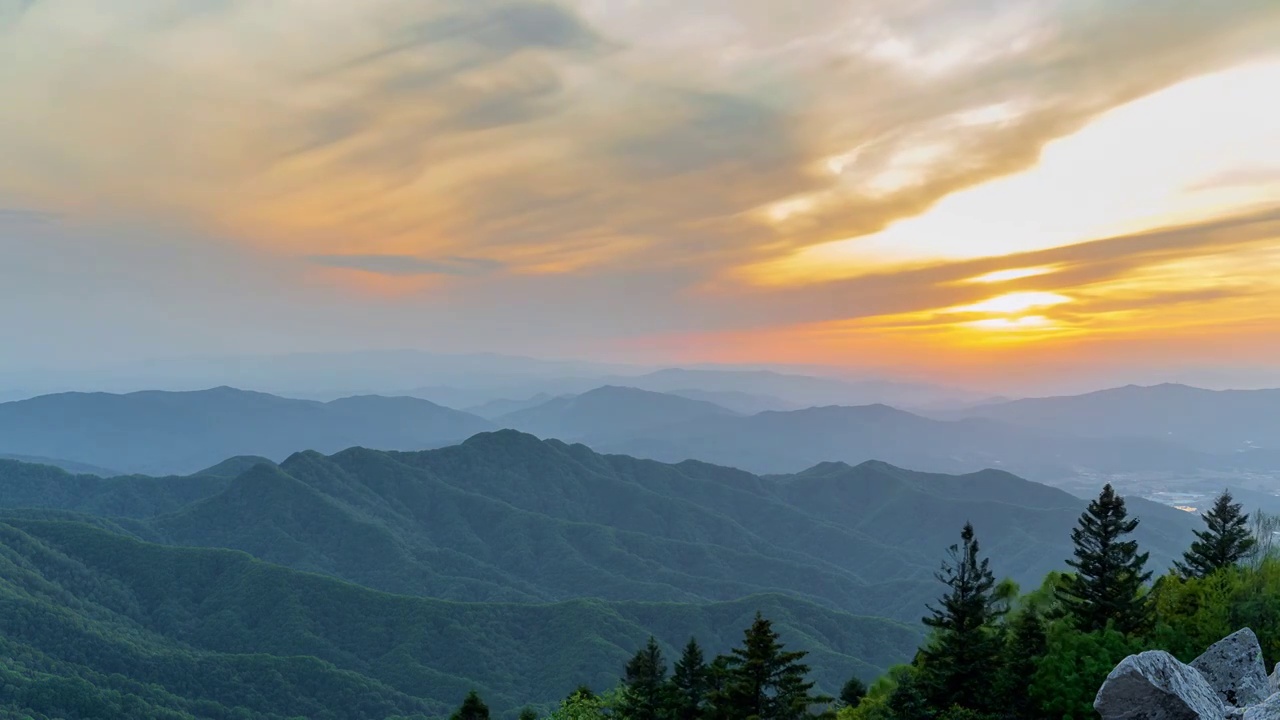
<point x="1154" y="686"/>
<point x="1269" y="709"/>
<point x="1233" y="666"/>
<point x="1273" y="682"/>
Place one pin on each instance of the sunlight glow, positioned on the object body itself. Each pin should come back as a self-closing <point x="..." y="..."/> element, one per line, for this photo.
<point x="1000" y="276"/>
<point x="1013" y="303"/>
<point x="1022" y="323"/>
<point x="1201" y="148"/>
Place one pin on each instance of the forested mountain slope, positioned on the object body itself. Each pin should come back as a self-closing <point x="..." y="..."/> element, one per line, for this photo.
<point x="102" y="623"/>
<point x="507" y="517"/>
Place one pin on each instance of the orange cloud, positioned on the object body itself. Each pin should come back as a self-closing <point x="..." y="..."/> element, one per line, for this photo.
<point x="901" y="182"/>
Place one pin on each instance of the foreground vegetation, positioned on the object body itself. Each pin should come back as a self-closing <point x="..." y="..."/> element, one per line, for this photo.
<point x="994" y="654"/>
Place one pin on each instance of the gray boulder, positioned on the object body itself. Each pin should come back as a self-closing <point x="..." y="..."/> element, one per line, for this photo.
<point x="1268" y="709"/>
<point x="1154" y="686"/>
<point x="1273" y="682"/>
<point x="1233" y="666"/>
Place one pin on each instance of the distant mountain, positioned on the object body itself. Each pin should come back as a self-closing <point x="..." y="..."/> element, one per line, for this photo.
<point x="183" y="432"/>
<point x="235" y="466"/>
<point x="780" y="442"/>
<point x="97" y="624"/>
<point x="743" y="390"/>
<point x="318" y="375"/>
<point x="800" y="390"/>
<point x="738" y="402"/>
<point x="494" y="409"/>
<point x="743" y="403"/>
<point x="1217" y="421"/>
<point x="609" y="412"/>
<point x="507" y="517"/>
<point x="70" y="466"/>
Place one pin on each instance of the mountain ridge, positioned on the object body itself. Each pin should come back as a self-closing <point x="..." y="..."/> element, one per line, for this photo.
<point x="162" y="432"/>
<point x="505" y="516"/>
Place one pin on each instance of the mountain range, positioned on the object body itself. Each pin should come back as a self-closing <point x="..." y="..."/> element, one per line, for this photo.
<point x="506" y="517"/>
<point x="462" y="381"/>
<point x="1210" y="421"/>
<point x="622" y="420"/>
<point x="369" y="583"/>
<point x="1055" y="440"/>
<point x="182" y="432"/>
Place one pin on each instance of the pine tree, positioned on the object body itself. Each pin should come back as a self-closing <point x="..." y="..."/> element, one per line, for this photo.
<point x="528" y="714"/>
<point x="473" y="708"/>
<point x="765" y="681"/>
<point x="1109" y="571"/>
<point x="690" y="684"/>
<point x="1225" y="542"/>
<point x="959" y="666"/>
<point x="643" y="690"/>
<point x="907" y="701"/>
<point x="719" y="674"/>
<point x="1027" y="644"/>
<point x="853" y="692"/>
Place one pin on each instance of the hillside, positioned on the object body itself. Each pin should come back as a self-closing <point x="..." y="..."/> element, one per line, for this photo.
<point x="27" y="485"/>
<point x="506" y="517"/>
<point x="101" y="625"/>
<point x="1219" y="421"/>
<point x="68" y="465"/>
<point x="183" y="432"/>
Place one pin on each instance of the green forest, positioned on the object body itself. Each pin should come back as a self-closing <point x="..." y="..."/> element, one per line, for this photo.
<point x="992" y="653"/>
<point x="509" y="577"/>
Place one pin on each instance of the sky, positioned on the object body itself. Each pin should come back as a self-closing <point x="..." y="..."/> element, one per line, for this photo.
<point x="990" y="193"/>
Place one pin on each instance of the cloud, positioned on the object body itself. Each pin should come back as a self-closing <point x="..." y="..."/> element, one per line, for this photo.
<point x="606" y="163"/>
<point x="656" y="134"/>
<point x="1243" y="176"/>
<point x="25" y="216"/>
<point x="408" y="264"/>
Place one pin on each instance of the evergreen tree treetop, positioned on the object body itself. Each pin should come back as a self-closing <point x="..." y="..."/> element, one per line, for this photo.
<point x="853" y="692"/>
<point x="1110" y="572"/>
<point x="764" y="680"/>
<point x="1225" y="541"/>
<point x="473" y="708"/>
<point x="644" y="695"/>
<point x="690" y="684"/>
<point x="970" y="603"/>
<point x="959" y="665"/>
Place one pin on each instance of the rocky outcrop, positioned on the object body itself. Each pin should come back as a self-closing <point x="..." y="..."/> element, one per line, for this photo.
<point x="1268" y="709"/>
<point x="1227" y="682"/>
<point x="1233" y="666"/>
<point x="1154" y="686"/>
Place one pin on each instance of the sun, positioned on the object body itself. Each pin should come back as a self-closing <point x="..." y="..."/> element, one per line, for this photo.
<point x="1013" y="303"/>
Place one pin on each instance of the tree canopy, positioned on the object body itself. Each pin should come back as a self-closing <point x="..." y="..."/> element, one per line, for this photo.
<point x="1222" y="544"/>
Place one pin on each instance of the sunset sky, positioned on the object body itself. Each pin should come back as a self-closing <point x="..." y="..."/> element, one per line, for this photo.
<point x="992" y="193"/>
